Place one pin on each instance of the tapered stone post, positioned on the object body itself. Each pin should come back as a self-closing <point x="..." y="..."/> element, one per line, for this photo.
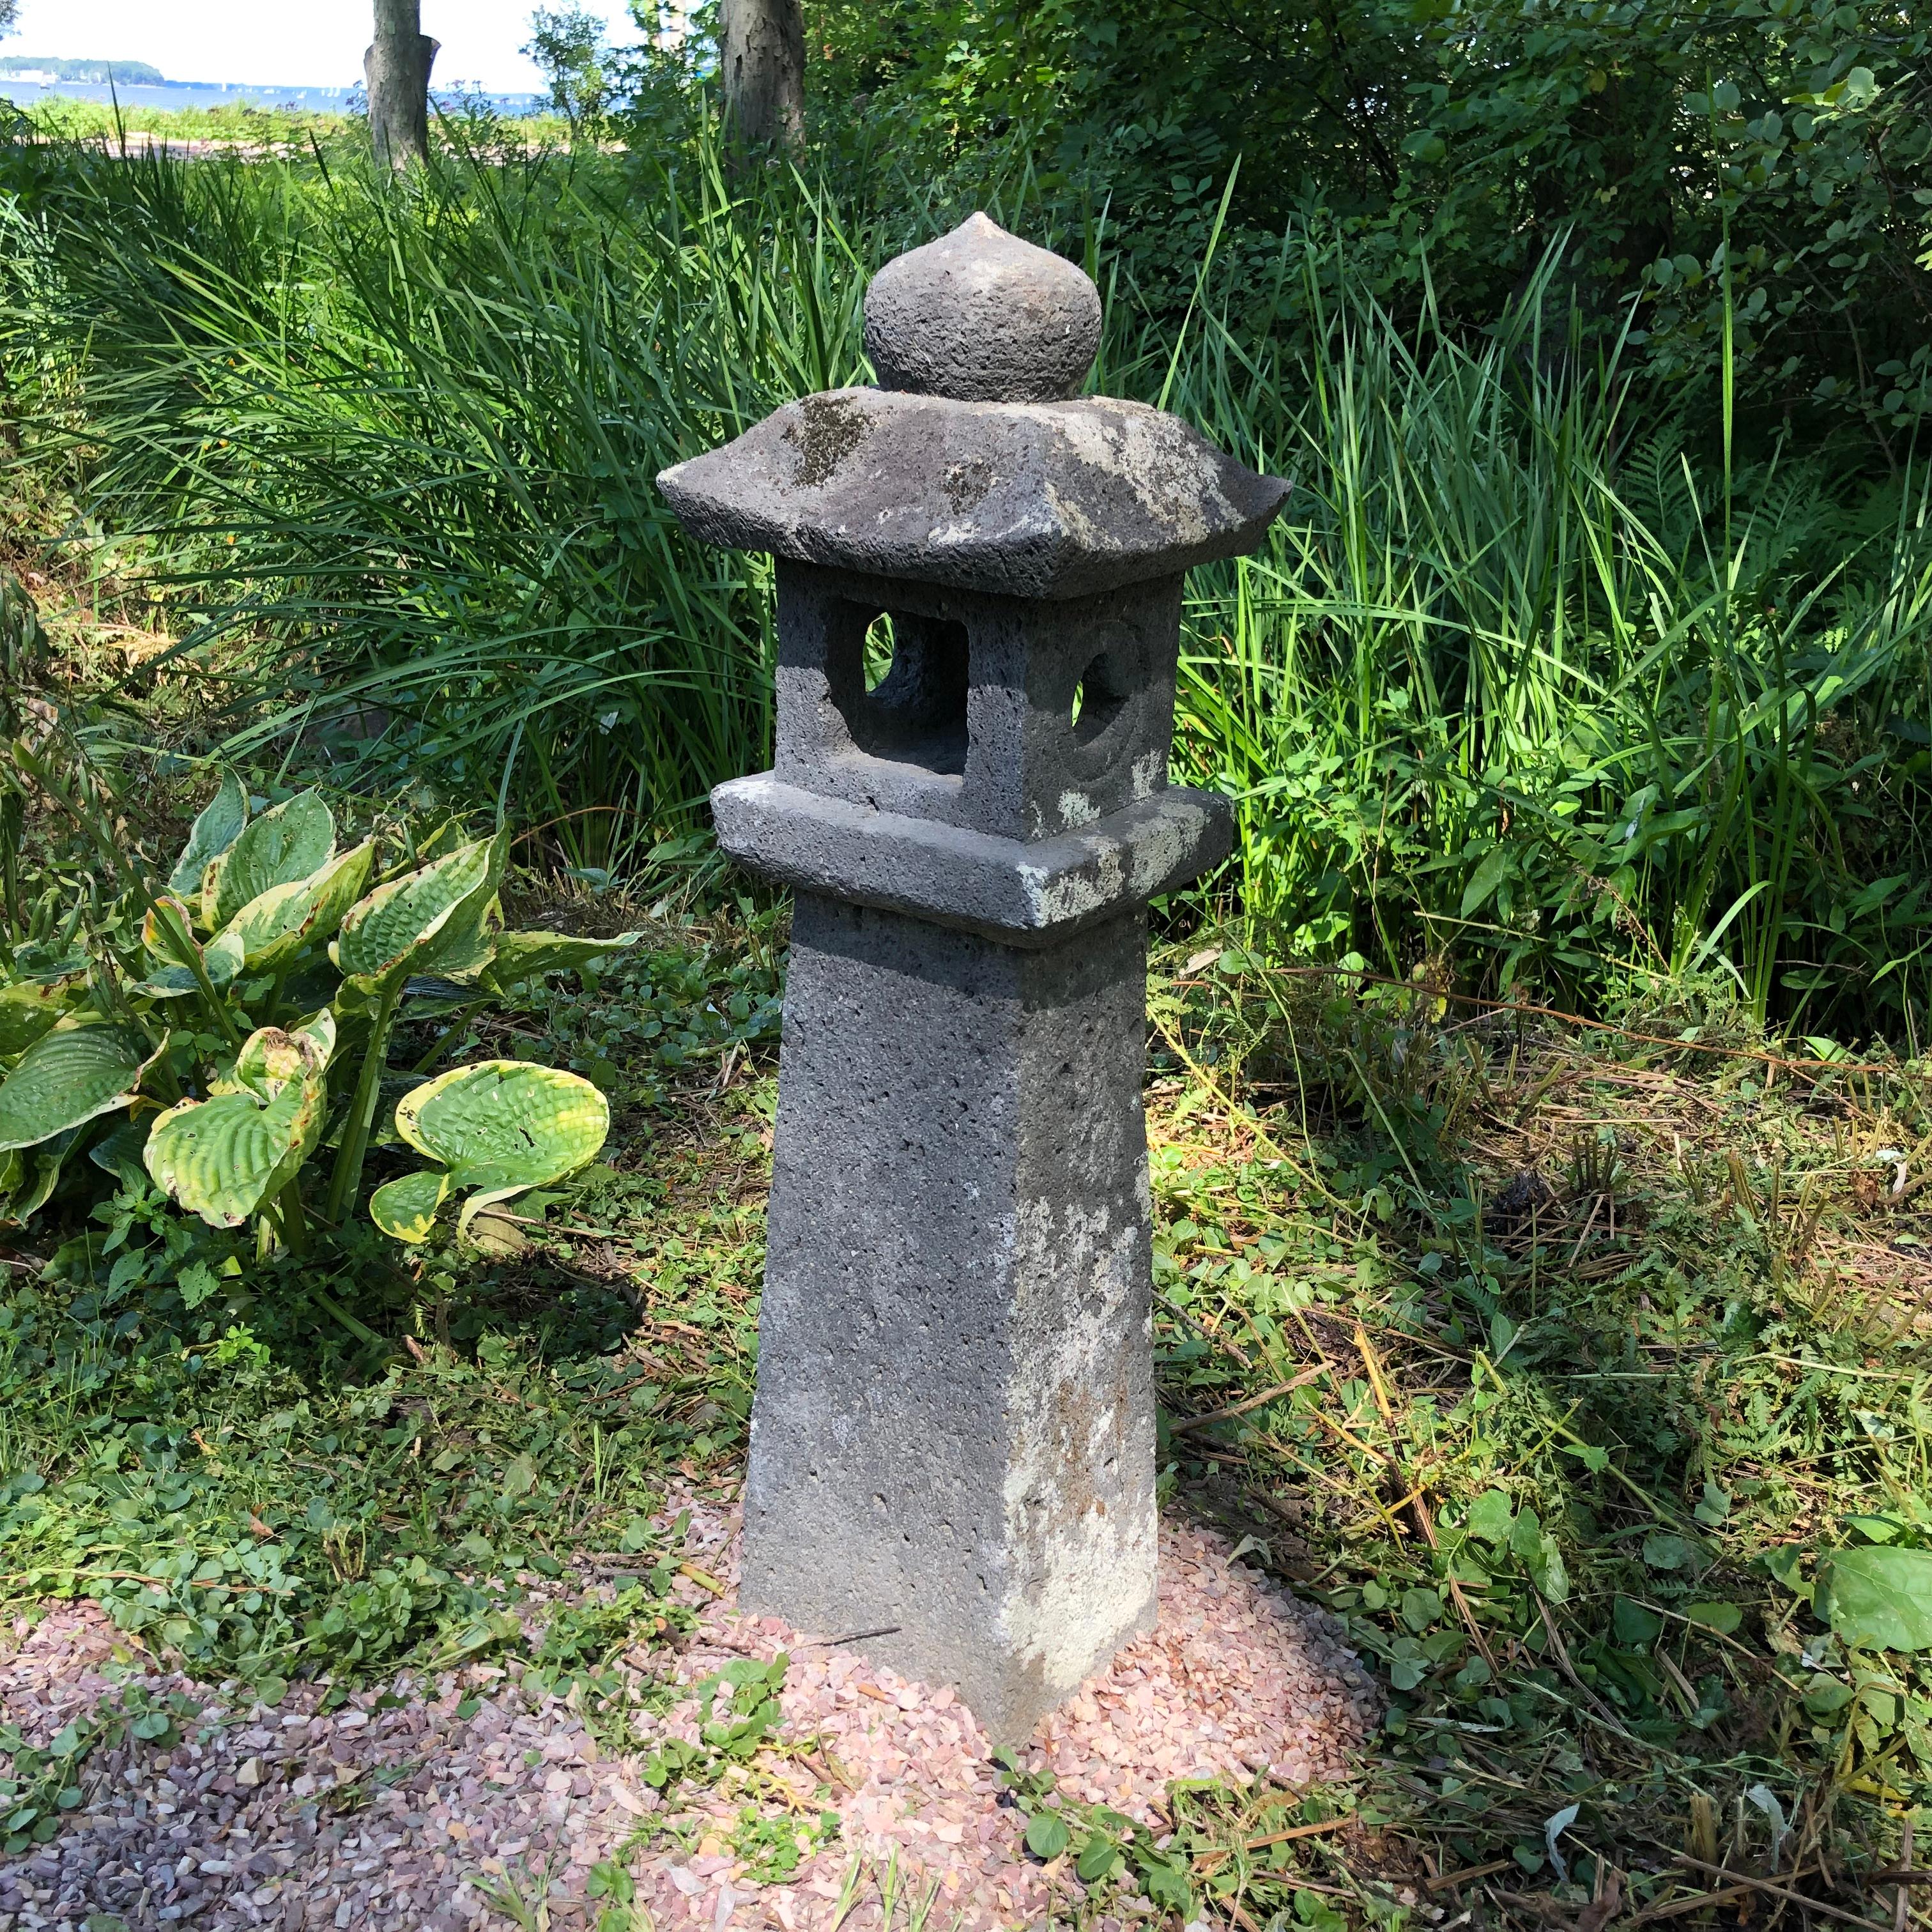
<point x="952" y="1443"/>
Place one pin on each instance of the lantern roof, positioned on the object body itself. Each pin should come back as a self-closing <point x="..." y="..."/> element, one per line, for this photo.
<point x="973" y="467"/>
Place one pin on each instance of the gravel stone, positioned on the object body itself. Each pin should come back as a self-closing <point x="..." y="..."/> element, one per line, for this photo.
<point x="1239" y="1679"/>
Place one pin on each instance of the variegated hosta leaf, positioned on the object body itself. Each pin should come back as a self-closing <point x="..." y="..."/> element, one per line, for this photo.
<point x="319" y="1030"/>
<point x="273" y="928"/>
<point x="405" y="1208"/>
<point x="437" y="919"/>
<point x="270" y="1058"/>
<point x="218" y="826"/>
<point x="28" y="1011"/>
<point x="74" y="1073"/>
<point x="224" y="1157"/>
<point x="292" y="841"/>
<point x="529" y="955"/>
<point x="505" y="1122"/>
<point x="220" y="960"/>
<point x="440" y="843"/>
<point x="500" y="1127"/>
<point x="463" y="945"/>
<point x="167" y="932"/>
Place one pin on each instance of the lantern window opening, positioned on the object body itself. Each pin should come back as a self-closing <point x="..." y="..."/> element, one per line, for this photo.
<point x="1100" y="698"/>
<point x="898" y="679"/>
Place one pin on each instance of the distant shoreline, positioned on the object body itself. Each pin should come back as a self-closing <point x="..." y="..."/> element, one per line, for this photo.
<point x="193" y="93"/>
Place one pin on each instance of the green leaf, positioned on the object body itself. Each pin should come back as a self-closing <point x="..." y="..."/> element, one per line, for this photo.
<point x="292" y="841"/>
<point x="118" y="1152"/>
<point x="35" y="1176"/>
<point x="1099" y="1858"/>
<point x="197" y="1282"/>
<point x="1546" y="1571"/>
<point x="1715" y="1508"/>
<point x="215" y="829"/>
<point x="1165" y="1881"/>
<point x="405" y="1208"/>
<point x="1781" y="1560"/>
<point x="437" y="919"/>
<point x="270" y="1057"/>
<point x="1047" y="1835"/>
<point x="223" y="1158"/>
<point x="1824" y="1696"/>
<point x="272" y="928"/>
<point x="1880" y="1596"/>
<point x="1634" y="1625"/>
<point x="1722" y="1618"/>
<point x="1490" y="1517"/>
<point x="173" y="949"/>
<point x="500" y="1127"/>
<point x="529" y="955"/>
<point x="1663" y="1551"/>
<point x="1489" y="874"/>
<point x="1526" y="1534"/>
<point x="1875" y="1528"/>
<point x="1420" y="1609"/>
<point x="79" y="1071"/>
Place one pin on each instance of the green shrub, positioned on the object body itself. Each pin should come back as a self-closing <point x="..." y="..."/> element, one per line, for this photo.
<point x="189" y="1034"/>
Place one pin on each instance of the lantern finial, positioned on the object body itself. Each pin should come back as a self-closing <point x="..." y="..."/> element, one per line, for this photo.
<point x="982" y="316"/>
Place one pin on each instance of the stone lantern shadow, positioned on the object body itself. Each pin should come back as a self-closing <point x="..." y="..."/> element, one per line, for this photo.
<point x="953" y="1441"/>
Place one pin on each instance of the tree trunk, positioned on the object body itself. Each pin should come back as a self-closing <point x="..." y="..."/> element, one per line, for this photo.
<point x="761" y="64"/>
<point x="397" y="69"/>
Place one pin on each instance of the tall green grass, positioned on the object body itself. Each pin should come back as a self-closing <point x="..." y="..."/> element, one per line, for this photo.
<point x="1539" y="676"/>
<point x="391" y="455"/>
<point x="1525" y="678"/>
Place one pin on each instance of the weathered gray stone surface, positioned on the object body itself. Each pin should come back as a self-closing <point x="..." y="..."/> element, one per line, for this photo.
<point x="953" y="1432"/>
<point x="984" y="317"/>
<point x="1046" y="499"/>
<point x="1033" y="895"/>
<point x="952" y="1438"/>
<point x="974" y="723"/>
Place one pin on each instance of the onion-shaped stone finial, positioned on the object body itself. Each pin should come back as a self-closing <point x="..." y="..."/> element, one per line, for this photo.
<point x="982" y="316"/>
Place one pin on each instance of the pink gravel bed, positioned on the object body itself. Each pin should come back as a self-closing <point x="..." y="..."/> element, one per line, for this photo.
<point x="409" y="1816"/>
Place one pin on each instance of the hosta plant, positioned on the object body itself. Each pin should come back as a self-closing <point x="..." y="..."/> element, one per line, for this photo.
<point x="233" y="1024"/>
<point x="492" y="1131"/>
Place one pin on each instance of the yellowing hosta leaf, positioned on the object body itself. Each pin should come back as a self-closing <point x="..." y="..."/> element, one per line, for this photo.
<point x="223" y="1158"/>
<point x="274" y="927"/>
<point x="167" y="932"/>
<point x="405" y="1208"/>
<point x="500" y="1127"/>
<point x="218" y="826"/>
<point x="521" y="1124"/>
<point x="270" y="1058"/>
<point x="414" y="924"/>
<point x="71" y="1075"/>
<point x="27" y="1011"/>
<point x="319" y="1030"/>
<point x="529" y="955"/>
<point x="293" y="840"/>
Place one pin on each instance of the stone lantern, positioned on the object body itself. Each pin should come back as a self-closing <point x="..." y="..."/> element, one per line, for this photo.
<point x="952" y="1444"/>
